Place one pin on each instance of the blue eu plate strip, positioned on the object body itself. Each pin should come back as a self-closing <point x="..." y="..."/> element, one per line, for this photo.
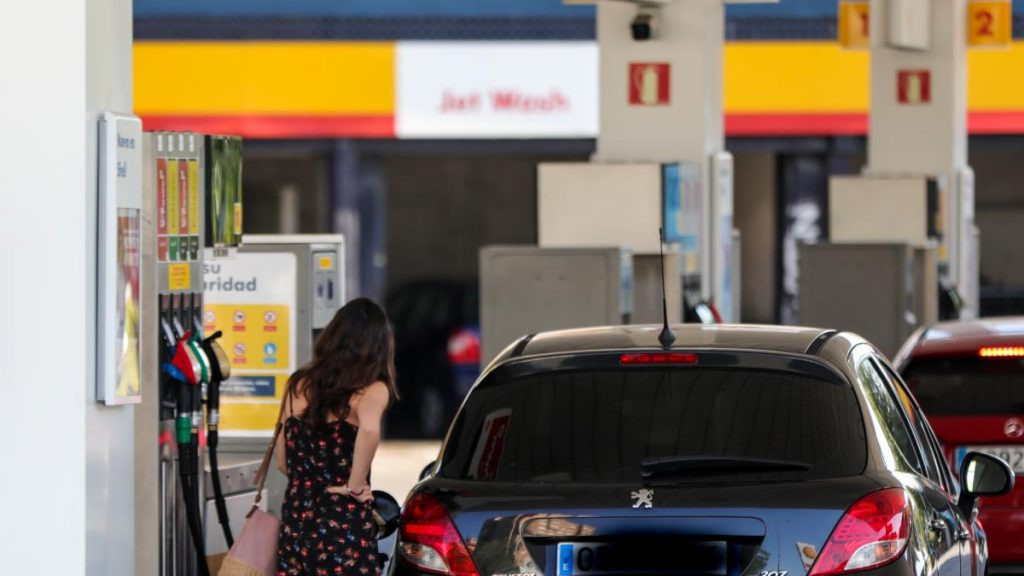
<point x="565" y="554"/>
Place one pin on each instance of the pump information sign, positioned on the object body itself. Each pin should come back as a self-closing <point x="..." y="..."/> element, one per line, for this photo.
<point x="193" y="208"/>
<point x="161" y="210"/>
<point x="251" y="299"/>
<point x="170" y="177"/>
<point x="990" y="23"/>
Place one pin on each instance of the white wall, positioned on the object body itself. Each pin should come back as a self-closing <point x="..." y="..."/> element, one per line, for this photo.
<point x="68" y="471"/>
<point x="43" y="239"/>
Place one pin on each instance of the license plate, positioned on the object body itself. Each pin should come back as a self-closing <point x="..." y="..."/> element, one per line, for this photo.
<point x="1013" y="455"/>
<point x="594" y="558"/>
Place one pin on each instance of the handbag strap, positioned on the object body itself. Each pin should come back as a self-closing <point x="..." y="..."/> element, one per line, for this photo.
<point x="264" y="469"/>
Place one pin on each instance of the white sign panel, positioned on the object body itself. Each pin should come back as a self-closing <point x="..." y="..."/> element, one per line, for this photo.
<point x="251" y="299"/>
<point x="497" y="90"/>
<point x="120" y="260"/>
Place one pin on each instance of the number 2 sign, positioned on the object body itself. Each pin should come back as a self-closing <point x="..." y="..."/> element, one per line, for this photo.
<point x="989" y="23"/>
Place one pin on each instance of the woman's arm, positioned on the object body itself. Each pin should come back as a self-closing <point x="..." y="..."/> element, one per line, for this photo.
<point x="279" y="449"/>
<point x="369" y="411"/>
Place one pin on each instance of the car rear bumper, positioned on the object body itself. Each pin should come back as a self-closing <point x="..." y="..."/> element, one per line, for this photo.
<point x="1004" y="527"/>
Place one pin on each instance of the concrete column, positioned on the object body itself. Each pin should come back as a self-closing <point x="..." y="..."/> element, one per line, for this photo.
<point x="110" y="451"/>
<point x="929" y="138"/>
<point x="685" y="124"/>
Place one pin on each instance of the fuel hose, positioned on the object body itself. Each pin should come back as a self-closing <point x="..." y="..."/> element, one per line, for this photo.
<point x="220" y="370"/>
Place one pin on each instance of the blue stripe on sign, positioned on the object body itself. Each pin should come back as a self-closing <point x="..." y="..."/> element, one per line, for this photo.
<point x="360" y="8"/>
<point x="565" y="554"/>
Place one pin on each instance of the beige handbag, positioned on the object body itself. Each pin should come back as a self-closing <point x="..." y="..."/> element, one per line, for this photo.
<point x="255" y="549"/>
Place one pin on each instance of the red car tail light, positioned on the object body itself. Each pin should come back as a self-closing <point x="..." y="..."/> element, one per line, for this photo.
<point x="429" y="540"/>
<point x="872" y="533"/>
<point x="644" y="359"/>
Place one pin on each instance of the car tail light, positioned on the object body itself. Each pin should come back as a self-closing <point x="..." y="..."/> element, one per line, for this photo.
<point x="464" y="347"/>
<point x="429" y="541"/>
<point x="658" y="358"/>
<point x="873" y="532"/>
<point x="1001" y="352"/>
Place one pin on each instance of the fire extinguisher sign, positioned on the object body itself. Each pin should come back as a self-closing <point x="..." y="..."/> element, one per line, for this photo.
<point x="648" y="83"/>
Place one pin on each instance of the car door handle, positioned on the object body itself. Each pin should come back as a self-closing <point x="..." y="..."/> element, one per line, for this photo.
<point x="937" y="525"/>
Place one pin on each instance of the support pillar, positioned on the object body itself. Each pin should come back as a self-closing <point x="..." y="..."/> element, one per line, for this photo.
<point x="918" y="123"/>
<point x="681" y="121"/>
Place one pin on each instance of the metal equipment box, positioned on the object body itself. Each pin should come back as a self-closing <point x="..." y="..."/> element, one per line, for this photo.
<point x="525" y="289"/>
<point x="881" y="291"/>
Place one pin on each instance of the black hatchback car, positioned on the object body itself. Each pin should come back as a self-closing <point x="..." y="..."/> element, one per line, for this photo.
<point x="739" y="450"/>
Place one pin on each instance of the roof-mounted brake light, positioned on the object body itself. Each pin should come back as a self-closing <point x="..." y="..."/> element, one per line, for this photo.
<point x="646" y="358"/>
<point x="1002" y="352"/>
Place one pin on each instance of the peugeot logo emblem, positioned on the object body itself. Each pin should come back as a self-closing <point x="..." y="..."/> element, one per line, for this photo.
<point x="1014" y="428"/>
<point x="644" y="498"/>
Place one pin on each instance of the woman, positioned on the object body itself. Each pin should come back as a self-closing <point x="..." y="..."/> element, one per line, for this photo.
<point x="331" y="424"/>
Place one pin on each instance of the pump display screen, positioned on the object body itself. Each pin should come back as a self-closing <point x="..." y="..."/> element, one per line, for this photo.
<point x="129" y="259"/>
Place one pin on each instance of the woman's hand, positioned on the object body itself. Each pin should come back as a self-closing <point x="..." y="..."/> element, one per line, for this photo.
<point x="364" y="494"/>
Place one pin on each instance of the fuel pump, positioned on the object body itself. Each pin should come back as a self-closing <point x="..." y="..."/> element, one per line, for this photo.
<point x="174" y="185"/>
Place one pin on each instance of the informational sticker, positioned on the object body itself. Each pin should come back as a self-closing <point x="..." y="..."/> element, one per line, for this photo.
<point x="490" y="445"/>
<point x="990" y="23"/>
<point x="649" y="83"/>
<point x="254" y="334"/>
<point x="173" y="210"/>
<point x="855" y="25"/>
<point x="913" y="87"/>
<point x="161" y="209"/>
<point x="179" y="277"/>
<point x="251" y="299"/>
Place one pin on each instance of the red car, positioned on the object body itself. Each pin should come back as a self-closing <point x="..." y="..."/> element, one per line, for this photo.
<point x="969" y="380"/>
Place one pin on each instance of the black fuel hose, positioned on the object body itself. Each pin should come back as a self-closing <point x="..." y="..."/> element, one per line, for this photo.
<point x="220" y="369"/>
<point x="212" y="440"/>
<point x="188" y="456"/>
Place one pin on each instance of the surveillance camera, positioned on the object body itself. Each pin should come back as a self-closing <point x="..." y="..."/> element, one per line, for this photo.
<point x="642" y="27"/>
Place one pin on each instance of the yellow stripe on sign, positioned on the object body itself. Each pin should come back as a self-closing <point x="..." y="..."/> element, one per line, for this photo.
<point x="789" y="77"/>
<point x="264" y="78"/>
<point x="996" y="79"/>
<point x="193" y="197"/>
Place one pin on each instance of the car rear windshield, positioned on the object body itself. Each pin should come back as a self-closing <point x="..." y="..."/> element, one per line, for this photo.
<point x="967" y="386"/>
<point x="601" y="426"/>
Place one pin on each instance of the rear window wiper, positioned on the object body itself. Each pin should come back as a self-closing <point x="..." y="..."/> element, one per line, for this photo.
<point x="715" y="465"/>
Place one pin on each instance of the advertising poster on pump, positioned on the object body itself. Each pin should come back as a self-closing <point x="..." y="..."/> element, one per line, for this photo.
<point x="251" y="299"/>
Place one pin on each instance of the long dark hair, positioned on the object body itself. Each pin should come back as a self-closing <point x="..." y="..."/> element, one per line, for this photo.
<point x="355" y="350"/>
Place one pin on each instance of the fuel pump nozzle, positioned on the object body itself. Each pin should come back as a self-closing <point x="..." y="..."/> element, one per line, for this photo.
<point x="191" y="362"/>
<point x="220" y="370"/>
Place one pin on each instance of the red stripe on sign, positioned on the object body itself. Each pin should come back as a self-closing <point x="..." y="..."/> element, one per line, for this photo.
<point x="996" y="122"/>
<point x="853" y="124"/>
<point x="795" y="124"/>
<point x="278" y="126"/>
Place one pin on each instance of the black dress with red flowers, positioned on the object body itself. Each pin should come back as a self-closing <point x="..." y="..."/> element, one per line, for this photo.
<point x="323" y="534"/>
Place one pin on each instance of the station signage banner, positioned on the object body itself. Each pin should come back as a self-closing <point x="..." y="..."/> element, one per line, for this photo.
<point x="496" y="90"/>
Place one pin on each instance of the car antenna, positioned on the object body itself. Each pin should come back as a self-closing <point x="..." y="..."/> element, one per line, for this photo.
<point x="667" y="336"/>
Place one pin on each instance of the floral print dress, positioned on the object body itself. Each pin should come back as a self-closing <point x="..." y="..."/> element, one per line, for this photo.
<point x="323" y="534"/>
